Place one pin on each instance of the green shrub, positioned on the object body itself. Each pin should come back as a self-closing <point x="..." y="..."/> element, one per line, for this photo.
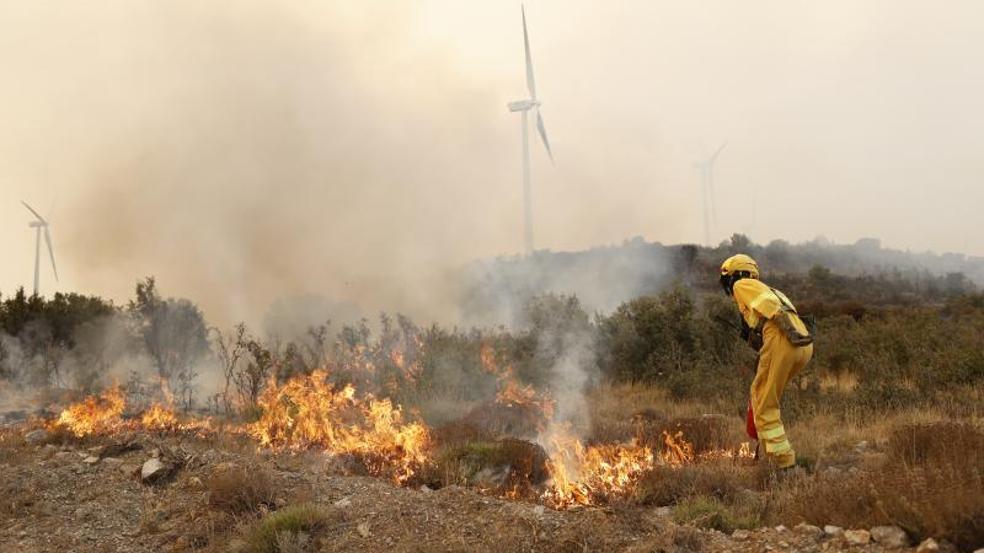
<point x="271" y="531"/>
<point x="710" y="512"/>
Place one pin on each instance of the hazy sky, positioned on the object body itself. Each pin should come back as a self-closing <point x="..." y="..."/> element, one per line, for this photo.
<point x="243" y="150"/>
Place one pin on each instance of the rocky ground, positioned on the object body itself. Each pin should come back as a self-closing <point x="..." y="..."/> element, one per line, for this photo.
<point x="149" y="493"/>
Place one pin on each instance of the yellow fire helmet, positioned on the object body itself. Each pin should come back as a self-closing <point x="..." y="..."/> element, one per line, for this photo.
<point x="740" y="262"/>
<point x="736" y="268"/>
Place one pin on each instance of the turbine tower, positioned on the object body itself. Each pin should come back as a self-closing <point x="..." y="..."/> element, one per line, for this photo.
<point x="706" y="169"/>
<point x="524" y="106"/>
<point x="38" y="225"/>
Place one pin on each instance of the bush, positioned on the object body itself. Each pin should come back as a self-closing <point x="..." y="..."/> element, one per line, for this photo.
<point x="240" y="490"/>
<point x="666" y="485"/>
<point x="285" y="527"/>
<point x="710" y="512"/>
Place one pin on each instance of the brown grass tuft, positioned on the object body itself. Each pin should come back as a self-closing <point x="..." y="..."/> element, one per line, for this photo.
<point x="666" y="485"/>
<point x="236" y="489"/>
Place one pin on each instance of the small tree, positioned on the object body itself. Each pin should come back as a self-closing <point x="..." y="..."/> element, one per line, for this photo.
<point x="174" y="334"/>
<point x="229" y="350"/>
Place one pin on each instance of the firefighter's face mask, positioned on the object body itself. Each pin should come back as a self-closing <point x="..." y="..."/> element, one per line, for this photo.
<point x="728" y="280"/>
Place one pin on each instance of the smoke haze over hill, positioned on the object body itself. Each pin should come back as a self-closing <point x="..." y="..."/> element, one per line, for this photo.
<point x="244" y="152"/>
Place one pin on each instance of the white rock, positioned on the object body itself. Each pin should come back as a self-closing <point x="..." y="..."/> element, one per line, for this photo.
<point x="781" y="528"/>
<point x="363" y="529"/>
<point x="741" y="535"/>
<point x="91" y="460"/>
<point x="857" y="537"/>
<point x="36" y="436"/>
<point x="929" y="545"/>
<point x="890" y="536"/>
<point x="153" y="468"/>
<point x="832" y="530"/>
<point x="343" y="503"/>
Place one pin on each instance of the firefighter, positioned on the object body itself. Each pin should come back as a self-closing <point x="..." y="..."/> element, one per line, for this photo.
<point x="775" y="330"/>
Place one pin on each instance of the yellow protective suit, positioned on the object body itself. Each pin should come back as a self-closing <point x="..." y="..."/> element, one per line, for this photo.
<point x="779" y="360"/>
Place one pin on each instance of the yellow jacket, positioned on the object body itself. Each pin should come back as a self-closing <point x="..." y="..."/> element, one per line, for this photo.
<point x="757" y="302"/>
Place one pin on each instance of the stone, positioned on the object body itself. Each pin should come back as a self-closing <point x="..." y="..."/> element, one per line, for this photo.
<point x="343" y="503"/>
<point x="91" y="460"/>
<point x="425" y="488"/>
<point x="741" y="535"/>
<point x="890" y="536"/>
<point x="929" y="545"/>
<point x="112" y="462"/>
<point x="832" y="531"/>
<point x="810" y="530"/>
<point x="363" y="529"/>
<point x="857" y="537"/>
<point x="781" y="528"/>
<point x="154" y="470"/>
<point x="35" y="437"/>
<point x="64" y="456"/>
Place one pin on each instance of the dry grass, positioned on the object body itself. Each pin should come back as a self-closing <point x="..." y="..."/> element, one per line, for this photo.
<point x="929" y="484"/>
<point x="238" y="490"/>
<point x="667" y="485"/>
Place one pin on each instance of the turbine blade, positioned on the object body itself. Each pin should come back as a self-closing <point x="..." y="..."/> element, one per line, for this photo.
<point x="36" y="214"/>
<point x="530" y="82"/>
<point x="717" y="153"/>
<point x="543" y="134"/>
<point x="51" y="251"/>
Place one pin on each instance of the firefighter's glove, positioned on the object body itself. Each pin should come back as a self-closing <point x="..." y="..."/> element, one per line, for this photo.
<point x="752" y="336"/>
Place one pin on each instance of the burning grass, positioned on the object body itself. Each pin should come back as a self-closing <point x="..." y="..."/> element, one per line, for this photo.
<point x="308" y="411"/>
<point x="95" y="414"/>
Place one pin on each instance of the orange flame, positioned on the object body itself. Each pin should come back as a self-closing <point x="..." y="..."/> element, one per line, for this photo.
<point x="677" y="450"/>
<point x="159" y="417"/>
<point x="584" y="475"/>
<point x="307" y="411"/>
<point x="513" y="392"/>
<point x="94" y="414"/>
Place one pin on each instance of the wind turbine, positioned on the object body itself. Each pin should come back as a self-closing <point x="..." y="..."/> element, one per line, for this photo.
<point x="524" y="106"/>
<point x="706" y="169"/>
<point x="38" y="225"/>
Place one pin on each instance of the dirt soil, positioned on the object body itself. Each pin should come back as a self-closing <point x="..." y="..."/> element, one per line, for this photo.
<point x="88" y="497"/>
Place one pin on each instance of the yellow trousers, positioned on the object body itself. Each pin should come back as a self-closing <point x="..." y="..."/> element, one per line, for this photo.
<point x="779" y="361"/>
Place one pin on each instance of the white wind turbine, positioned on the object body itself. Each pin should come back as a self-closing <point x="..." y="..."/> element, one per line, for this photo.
<point x="706" y="169"/>
<point x="38" y="225"/>
<point x="524" y="106"/>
